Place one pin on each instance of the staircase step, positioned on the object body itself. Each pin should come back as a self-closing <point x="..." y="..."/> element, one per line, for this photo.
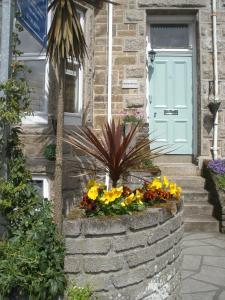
<point x="189" y="182"/>
<point x="178" y="169"/>
<point x="196" y="210"/>
<point x="197" y="196"/>
<point x="201" y="224"/>
<point x="173" y="158"/>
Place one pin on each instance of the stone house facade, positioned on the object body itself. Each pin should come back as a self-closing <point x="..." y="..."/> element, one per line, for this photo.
<point x="171" y="86"/>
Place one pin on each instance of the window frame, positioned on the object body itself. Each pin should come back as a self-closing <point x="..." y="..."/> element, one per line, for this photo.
<point x="46" y="187"/>
<point x="76" y="118"/>
<point x="172" y="19"/>
<point x="39" y="117"/>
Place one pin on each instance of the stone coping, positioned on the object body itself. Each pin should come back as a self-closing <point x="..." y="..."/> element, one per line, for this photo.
<point x="131" y="257"/>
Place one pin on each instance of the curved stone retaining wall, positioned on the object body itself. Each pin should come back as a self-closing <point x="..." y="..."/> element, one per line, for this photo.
<point x="127" y="257"/>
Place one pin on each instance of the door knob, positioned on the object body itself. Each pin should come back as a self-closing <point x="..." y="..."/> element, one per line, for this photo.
<point x="155" y="115"/>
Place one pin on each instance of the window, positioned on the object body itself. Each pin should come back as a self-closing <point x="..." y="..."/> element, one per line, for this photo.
<point x="35" y="58"/>
<point x="41" y="184"/>
<point x="74" y="90"/>
<point x="72" y="94"/>
<point x="169" y="36"/>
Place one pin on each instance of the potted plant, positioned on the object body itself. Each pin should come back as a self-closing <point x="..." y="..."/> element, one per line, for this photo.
<point x="124" y="238"/>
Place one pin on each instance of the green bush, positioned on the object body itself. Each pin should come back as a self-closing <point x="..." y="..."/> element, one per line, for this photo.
<point x="49" y="152"/>
<point x="78" y="293"/>
<point x="32" y="255"/>
<point x="221" y="181"/>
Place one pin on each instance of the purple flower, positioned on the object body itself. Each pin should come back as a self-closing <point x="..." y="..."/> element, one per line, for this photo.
<point x="217" y="166"/>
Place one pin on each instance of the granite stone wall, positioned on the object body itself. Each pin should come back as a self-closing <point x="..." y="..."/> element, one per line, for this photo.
<point x="129" y="62"/>
<point x="126" y="257"/>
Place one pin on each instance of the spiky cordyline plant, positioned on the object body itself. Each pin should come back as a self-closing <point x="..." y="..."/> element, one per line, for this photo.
<point x="114" y="151"/>
<point x="66" y="44"/>
<point x="66" y="39"/>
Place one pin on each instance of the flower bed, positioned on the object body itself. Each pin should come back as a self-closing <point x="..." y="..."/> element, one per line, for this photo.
<point x="98" y="201"/>
<point x="214" y="171"/>
<point x="134" y="256"/>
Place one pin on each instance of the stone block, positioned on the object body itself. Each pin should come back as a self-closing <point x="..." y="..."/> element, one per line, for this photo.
<point x="141" y="256"/>
<point x="125" y="60"/>
<point x="103" y="264"/>
<point x="138" y="291"/>
<point x="134" y="101"/>
<point x="161" y="262"/>
<point x="131" y="241"/>
<point x="104" y="226"/>
<point x="164" y="245"/>
<point x="159" y="233"/>
<point x="146" y="220"/>
<point x="175" y="252"/>
<point x="97" y="282"/>
<point x="172" y="3"/>
<point x="72" y="228"/>
<point x="72" y="264"/>
<point x="129" y="278"/>
<point x="87" y="246"/>
<point x="178" y="235"/>
<point x="134" y="16"/>
<point x="100" y="77"/>
<point x="134" y="44"/>
<point x="165" y="215"/>
<point x="176" y="222"/>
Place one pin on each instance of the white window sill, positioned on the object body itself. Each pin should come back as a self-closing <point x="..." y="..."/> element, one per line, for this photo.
<point x="36" y="118"/>
<point x="72" y="119"/>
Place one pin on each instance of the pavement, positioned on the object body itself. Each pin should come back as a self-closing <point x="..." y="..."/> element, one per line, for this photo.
<point x="203" y="266"/>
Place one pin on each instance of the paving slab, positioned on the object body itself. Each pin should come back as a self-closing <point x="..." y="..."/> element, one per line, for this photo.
<point x="191" y="262"/>
<point x="200" y="296"/>
<point x="203" y="271"/>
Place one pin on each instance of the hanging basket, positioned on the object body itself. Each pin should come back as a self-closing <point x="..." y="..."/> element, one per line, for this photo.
<point x="214" y="107"/>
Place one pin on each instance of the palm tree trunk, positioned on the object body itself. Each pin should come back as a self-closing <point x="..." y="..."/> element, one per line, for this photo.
<point x="58" y="200"/>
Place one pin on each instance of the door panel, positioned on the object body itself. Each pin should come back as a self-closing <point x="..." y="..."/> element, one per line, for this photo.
<point x="171" y="102"/>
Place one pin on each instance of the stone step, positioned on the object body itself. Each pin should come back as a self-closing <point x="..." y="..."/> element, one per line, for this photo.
<point x="189" y="182"/>
<point x="197" y="196"/>
<point x="195" y="210"/>
<point x="173" y="158"/>
<point x="201" y="224"/>
<point x="181" y="169"/>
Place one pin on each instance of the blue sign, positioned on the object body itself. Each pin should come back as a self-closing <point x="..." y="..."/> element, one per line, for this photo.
<point x="33" y="17"/>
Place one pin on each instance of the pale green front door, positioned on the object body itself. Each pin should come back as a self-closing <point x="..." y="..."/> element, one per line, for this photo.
<point x="171" y="102"/>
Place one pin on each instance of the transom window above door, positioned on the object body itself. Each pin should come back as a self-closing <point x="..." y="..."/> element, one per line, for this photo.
<point x="170" y="36"/>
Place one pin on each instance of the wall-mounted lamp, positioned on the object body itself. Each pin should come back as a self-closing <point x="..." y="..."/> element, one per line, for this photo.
<point x="152" y="55"/>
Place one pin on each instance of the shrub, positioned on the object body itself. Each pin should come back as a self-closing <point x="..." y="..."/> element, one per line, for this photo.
<point x="78" y="293"/>
<point x="50" y="152"/>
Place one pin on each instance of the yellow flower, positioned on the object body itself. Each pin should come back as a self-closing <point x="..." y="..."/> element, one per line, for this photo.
<point x="179" y="191"/>
<point x="155" y="184"/>
<point x="173" y="188"/>
<point x="93" y="193"/>
<point x="92" y="183"/>
<point x="139" y="195"/>
<point x="165" y="181"/>
<point x="123" y="204"/>
<point x="129" y="199"/>
<point x="112" y="195"/>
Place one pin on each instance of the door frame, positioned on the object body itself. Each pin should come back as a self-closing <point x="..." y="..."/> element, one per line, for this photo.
<point x="190" y="20"/>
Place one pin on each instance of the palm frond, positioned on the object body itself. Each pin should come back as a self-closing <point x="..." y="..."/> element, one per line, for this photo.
<point x="66" y="40"/>
<point x="115" y="152"/>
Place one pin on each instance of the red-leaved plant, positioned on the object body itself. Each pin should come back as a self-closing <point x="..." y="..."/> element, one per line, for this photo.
<point x="114" y="151"/>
